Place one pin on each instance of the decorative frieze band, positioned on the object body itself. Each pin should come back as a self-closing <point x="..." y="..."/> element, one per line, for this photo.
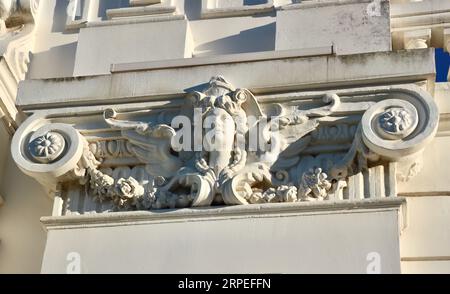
<point x="223" y="147"/>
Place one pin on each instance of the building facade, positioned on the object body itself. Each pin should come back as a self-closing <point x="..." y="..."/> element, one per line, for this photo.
<point x="201" y="136"/>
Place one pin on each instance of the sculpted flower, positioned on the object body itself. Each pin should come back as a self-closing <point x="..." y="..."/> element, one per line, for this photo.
<point x="128" y="191"/>
<point x="101" y="185"/>
<point x="314" y="185"/>
<point x="47" y="148"/>
<point x="283" y="193"/>
<point x="395" y="120"/>
<point x="287" y="193"/>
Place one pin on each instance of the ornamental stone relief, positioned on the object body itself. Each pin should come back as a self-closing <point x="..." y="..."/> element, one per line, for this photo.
<point x="17" y="26"/>
<point x="222" y="148"/>
<point x="47" y="148"/>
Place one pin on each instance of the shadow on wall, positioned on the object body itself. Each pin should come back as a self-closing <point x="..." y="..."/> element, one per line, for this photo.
<point x="56" y="56"/>
<point x="193" y="9"/>
<point x="253" y="40"/>
<point x="442" y="65"/>
<point x="60" y="17"/>
<point x="44" y="63"/>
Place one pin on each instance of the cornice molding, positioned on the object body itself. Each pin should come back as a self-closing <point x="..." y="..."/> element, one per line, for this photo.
<point x="158" y="84"/>
<point x="222" y="59"/>
<point x="229" y="212"/>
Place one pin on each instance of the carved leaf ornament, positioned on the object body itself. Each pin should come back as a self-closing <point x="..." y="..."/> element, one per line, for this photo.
<point x="242" y="156"/>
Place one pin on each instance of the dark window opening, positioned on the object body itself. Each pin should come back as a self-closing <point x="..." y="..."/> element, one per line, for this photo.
<point x="442" y="65"/>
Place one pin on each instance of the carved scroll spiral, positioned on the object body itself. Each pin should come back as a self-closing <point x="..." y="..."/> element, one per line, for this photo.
<point x="51" y="152"/>
<point x="396" y="128"/>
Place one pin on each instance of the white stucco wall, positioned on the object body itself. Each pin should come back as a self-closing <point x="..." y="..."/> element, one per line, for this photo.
<point x="425" y="242"/>
<point x="21" y="233"/>
<point x="55" y="53"/>
<point x="349" y="28"/>
<point x="251" y="241"/>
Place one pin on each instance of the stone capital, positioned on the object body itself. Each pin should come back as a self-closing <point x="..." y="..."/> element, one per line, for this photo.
<point x="348" y="144"/>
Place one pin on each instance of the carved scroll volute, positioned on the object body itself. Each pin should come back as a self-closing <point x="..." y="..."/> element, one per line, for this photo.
<point x="51" y="153"/>
<point x="399" y="129"/>
<point x="18" y="21"/>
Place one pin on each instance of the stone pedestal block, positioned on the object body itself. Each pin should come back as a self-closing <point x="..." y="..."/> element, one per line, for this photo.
<point x="101" y="46"/>
<point x="332" y="237"/>
<point x="352" y="27"/>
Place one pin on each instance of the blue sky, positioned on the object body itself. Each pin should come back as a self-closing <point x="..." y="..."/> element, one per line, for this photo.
<point x="442" y="65"/>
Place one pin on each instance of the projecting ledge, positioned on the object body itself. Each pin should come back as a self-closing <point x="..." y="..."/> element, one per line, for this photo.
<point x="228" y="213"/>
<point x="138" y="83"/>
